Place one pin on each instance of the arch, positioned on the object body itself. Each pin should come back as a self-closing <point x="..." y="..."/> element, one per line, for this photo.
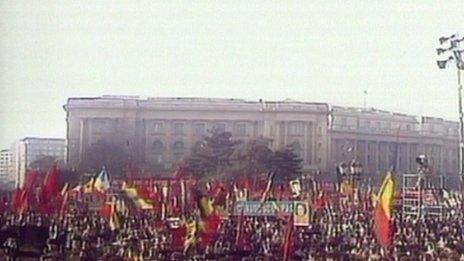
<point x="157" y="147"/>
<point x="178" y="145"/>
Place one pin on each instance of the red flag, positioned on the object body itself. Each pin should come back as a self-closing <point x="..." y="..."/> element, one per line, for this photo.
<point x="154" y="193"/>
<point x="178" y="238"/>
<point x="144" y="192"/>
<point x="17" y="200"/>
<point x="210" y="227"/>
<point x="64" y="203"/>
<point x="49" y="191"/>
<point x="50" y="185"/>
<point x="383" y="226"/>
<point x="288" y="240"/>
<point x="106" y="210"/>
<point x="31" y="178"/>
<point x="23" y="202"/>
<point x="21" y="196"/>
<point x="320" y="202"/>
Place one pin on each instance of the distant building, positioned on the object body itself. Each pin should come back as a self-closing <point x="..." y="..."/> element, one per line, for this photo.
<point x="381" y="140"/>
<point x="162" y="131"/>
<point x="6" y="175"/>
<point x="26" y="151"/>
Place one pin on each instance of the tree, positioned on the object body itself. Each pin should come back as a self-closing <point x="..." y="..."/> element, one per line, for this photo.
<point x="253" y="158"/>
<point x="43" y="163"/>
<point x="212" y="156"/>
<point x="286" y="165"/>
<point x="104" y="153"/>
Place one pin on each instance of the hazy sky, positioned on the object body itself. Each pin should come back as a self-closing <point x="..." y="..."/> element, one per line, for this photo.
<point x="324" y="51"/>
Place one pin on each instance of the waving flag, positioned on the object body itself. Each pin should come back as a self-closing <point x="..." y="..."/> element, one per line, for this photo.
<point x="136" y="197"/>
<point x="288" y="240"/>
<point x="270" y="179"/>
<point x="50" y="185"/>
<point x="383" y="212"/>
<point x="210" y="220"/>
<point x="191" y="236"/>
<point x="88" y="187"/>
<point x="49" y="191"/>
<point x="102" y="182"/>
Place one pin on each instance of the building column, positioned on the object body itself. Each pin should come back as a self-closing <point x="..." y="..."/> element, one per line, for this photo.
<point x="408" y="157"/>
<point x="285" y="125"/>
<point x="82" y="138"/>
<point x="366" y="153"/>
<point x="387" y="154"/>
<point x="305" y="143"/>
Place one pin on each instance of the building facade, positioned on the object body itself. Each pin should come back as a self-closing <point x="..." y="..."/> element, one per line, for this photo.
<point x="162" y="130"/>
<point x="6" y="175"/>
<point x="28" y="150"/>
<point x="381" y="140"/>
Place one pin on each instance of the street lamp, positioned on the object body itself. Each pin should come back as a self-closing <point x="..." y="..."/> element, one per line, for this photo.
<point x="455" y="55"/>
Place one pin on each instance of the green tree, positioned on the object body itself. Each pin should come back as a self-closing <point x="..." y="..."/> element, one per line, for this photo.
<point x="104" y="153"/>
<point x="213" y="156"/>
<point x="253" y="158"/>
<point x="286" y="165"/>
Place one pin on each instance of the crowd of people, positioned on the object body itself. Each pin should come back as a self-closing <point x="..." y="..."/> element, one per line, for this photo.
<point x="333" y="234"/>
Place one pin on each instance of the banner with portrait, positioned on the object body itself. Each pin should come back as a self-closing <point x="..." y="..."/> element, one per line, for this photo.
<point x="258" y="208"/>
<point x="301" y="213"/>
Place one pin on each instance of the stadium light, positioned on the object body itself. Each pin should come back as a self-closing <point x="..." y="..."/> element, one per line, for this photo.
<point x="456" y="56"/>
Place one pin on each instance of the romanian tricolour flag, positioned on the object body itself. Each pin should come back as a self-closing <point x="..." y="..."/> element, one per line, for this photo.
<point x="135" y="196"/>
<point x="209" y="223"/>
<point x="383" y="217"/>
<point x="102" y="181"/>
<point x="87" y="188"/>
<point x="191" y="236"/>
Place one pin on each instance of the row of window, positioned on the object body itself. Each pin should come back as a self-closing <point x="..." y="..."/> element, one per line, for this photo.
<point x="158" y="146"/>
<point x="35" y="149"/>
<point x="378" y="125"/>
<point x="200" y="128"/>
<point x="178" y="128"/>
<point x="388" y="125"/>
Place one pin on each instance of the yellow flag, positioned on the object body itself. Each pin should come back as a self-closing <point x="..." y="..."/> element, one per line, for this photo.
<point x="88" y="187"/>
<point x="205" y="206"/>
<point x="191" y="237"/>
<point x="133" y="194"/>
<point x="386" y="194"/>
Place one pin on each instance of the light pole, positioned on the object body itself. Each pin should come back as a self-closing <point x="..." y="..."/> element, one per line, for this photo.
<point x="455" y="55"/>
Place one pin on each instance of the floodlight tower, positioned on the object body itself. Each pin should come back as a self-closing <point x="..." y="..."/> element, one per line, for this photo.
<point x="455" y="54"/>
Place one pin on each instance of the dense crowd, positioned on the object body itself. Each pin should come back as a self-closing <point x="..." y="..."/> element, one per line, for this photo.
<point x="342" y="234"/>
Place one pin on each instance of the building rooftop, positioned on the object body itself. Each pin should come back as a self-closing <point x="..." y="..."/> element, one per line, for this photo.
<point x="132" y="101"/>
<point x="41" y="139"/>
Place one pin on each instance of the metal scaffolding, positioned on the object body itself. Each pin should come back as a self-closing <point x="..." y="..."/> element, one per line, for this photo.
<point x="421" y="196"/>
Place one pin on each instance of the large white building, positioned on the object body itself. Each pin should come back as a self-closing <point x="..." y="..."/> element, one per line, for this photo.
<point x="162" y="131"/>
<point x="6" y="175"/>
<point x="26" y="151"/>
